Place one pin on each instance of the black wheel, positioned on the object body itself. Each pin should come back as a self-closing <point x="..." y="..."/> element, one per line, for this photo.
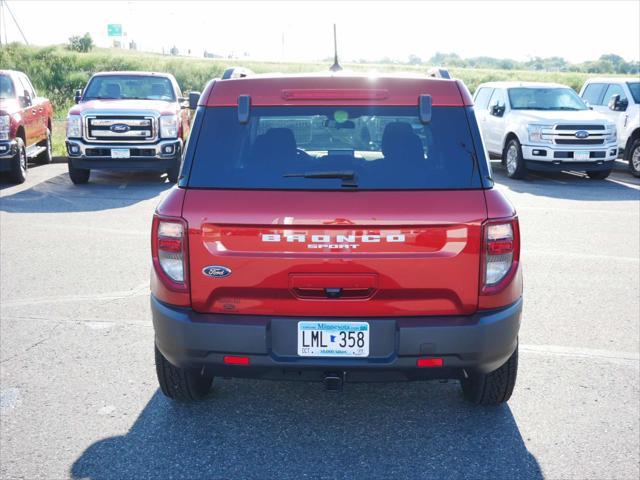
<point x="634" y="157"/>
<point x="174" y="172"/>
<point x="513" y="161"/>
<point x="492" y="388"/>
<point x="181" y="383"/>
<point x="598" y="175"/>
<point x="46" y="156"/>
<point x="78" y="175"/>
<point x="18" y="173"/>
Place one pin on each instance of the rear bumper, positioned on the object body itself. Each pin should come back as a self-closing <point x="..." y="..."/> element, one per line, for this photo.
<point x="480" y="342"/>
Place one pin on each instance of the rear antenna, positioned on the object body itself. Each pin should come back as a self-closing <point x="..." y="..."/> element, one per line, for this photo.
<point x="336" y="66"/>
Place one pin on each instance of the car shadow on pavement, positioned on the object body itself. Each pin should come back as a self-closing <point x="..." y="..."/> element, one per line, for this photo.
<point x="620" y="185"/>
<point x="105" y="190"/>
<point x="259" y="429"/>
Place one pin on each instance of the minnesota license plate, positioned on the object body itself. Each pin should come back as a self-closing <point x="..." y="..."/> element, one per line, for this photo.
<point x="581" y="155"/>
<point x="333" y="339"/>
<point x="120" y="153"/>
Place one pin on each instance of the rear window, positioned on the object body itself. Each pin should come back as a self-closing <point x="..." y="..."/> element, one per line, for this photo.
<point x="329" y="148"/>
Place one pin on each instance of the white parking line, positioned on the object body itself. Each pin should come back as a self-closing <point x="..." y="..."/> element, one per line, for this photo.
<point x="142" y="289"/>
<point x="611" y="355"/>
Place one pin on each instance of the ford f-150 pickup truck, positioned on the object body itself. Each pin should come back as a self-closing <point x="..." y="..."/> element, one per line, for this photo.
<point x="338" y="228"/>
<point x="618" y="98"/>
<point x="25" y="125"/>
<point x="544" y="127"/>
<point x="128" y="121"/>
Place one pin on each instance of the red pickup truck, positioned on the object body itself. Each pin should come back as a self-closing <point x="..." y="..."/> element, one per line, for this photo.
<point x="25" y="125"/>
<point x="336" y="228"/>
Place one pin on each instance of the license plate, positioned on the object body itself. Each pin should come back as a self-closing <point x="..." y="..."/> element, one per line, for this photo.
<point x="120" y="153"/>
<point x="333" y="339"/>
<point x="581" y="155"/>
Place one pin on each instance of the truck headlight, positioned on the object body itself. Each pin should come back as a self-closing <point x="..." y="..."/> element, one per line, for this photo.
<point x="536" y="135"/>
<point x="5" y="125"/>
<point x="74" y="126"/>
<point x="612" y="135"/>
<point x="169" y="126"/>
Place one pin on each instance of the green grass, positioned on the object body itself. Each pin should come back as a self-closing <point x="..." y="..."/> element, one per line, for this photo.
<point x="58" y="137"/>
<point x="57" y="72"/>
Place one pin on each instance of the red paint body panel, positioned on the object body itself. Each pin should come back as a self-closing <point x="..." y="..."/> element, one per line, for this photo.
<point x="338" y="89"/>
<point x="433" y="271"/>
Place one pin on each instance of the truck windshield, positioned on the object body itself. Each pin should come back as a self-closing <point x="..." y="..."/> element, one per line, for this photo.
<point x="635" y="90"/>
<point x="6" y="87"/>
<point x="528" y="98"/>
<point x="121" y="87"/>
<point x="328" y="148"/>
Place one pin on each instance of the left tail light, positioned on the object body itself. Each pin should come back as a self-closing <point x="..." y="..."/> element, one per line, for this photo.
<point x="169" y="250"/>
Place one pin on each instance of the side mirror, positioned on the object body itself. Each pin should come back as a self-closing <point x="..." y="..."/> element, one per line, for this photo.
<point x="26" y="99"/>
<point x="78" y="96"/>
<point x="497" y="110"/>
<point x="194" y="98"/>
<point x="617" y="104"/>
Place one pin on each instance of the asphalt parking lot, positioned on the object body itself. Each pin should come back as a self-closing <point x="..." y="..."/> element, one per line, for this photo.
<point x="79" y="396"/>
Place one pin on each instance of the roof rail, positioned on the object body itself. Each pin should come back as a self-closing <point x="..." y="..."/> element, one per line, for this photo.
<point x="236" y="72"/>
<point x="437" y="72"/>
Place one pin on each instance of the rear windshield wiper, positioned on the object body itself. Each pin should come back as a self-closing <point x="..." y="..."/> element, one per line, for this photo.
<point x="347" y="176"/>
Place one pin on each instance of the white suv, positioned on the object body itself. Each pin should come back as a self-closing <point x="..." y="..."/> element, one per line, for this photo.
<point x="619" y="100"/>
<point x="544" y="126"/>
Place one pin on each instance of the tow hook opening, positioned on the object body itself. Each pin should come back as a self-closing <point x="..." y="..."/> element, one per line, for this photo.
<point x="333" y="382"/>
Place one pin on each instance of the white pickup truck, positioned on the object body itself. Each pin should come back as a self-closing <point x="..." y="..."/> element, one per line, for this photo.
<point x="619" y="100"/>
<point x="544" y="127"/>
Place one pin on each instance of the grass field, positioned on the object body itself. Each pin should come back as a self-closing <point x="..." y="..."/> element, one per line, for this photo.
<point x="57" y="72"/>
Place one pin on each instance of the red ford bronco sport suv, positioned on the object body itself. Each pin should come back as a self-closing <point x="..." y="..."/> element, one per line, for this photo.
<point x="336" y="228"/>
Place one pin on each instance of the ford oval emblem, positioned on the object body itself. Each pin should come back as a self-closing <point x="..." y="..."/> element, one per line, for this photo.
<point x="582" y="134"/>
<point x="216" y="271"/>
<point x="119" y="128"/>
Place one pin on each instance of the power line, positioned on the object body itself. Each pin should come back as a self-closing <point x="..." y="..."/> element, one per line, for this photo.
<point x="5" y="4"/>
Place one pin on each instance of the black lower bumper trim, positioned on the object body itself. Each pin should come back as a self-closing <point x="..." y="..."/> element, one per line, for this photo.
<point x="133" y="165"/>
<point x="559" y="165"/>
<point x="479" y="342"/>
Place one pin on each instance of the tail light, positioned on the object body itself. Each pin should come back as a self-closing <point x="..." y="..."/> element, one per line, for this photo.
<point x="169" y="249"/>
<point x="500" y="254"/>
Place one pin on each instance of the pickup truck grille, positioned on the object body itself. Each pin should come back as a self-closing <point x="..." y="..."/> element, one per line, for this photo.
<point x="576" y="134"/>
<point x="127" y="129"/>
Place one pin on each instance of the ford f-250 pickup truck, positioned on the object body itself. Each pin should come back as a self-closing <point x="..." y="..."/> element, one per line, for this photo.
<point x="133" y="121"/>
<point x="25" y="125"/>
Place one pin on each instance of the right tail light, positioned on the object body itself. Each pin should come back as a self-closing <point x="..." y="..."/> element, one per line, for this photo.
<point x="169" y="250"/>
<point x="500" y="254"/>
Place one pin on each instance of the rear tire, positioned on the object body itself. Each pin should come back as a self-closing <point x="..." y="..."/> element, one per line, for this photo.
<point x="46" y="156"/>
<point x="18" y="173"/>
<point x="513" y="161"/>
<point x="598" y="175"/>
<point x="634" y="158"/>
<point x="492" y="388"/>
<point x="174" y="172"/>
<point x="79" y="175"/>
<point x="184" y="384"/>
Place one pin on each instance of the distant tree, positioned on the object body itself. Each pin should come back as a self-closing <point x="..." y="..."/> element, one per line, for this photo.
<point x="414" y="60"/>
<point x="174" y="50"/>
<point x="80" y="44"/>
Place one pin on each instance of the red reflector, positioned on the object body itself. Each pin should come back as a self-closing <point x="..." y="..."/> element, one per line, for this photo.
<point x="429" y="362"/>
<point x="500" y="247"/>
<point x="170" y="244"/>
<point x="233" y="360"/>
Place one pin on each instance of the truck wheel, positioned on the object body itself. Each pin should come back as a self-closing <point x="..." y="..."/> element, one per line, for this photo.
<point x="513" y="161"/>
<point x="183" y="384"/>
<point x="492" y="388"/>
<point x="18" y="173"/>
<point x="174" y="172"/>
<point x="598" y="175"/>
<point x="78" y="175"/>
<point x="46" y="156"/>
<point x="634" y="158"/>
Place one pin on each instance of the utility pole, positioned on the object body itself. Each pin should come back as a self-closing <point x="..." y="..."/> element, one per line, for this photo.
<point x="4" y="8"/>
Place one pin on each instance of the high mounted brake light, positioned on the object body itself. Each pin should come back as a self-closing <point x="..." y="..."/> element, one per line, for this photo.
<point x="170" y="252"/>
<point x="335" y="94"/>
